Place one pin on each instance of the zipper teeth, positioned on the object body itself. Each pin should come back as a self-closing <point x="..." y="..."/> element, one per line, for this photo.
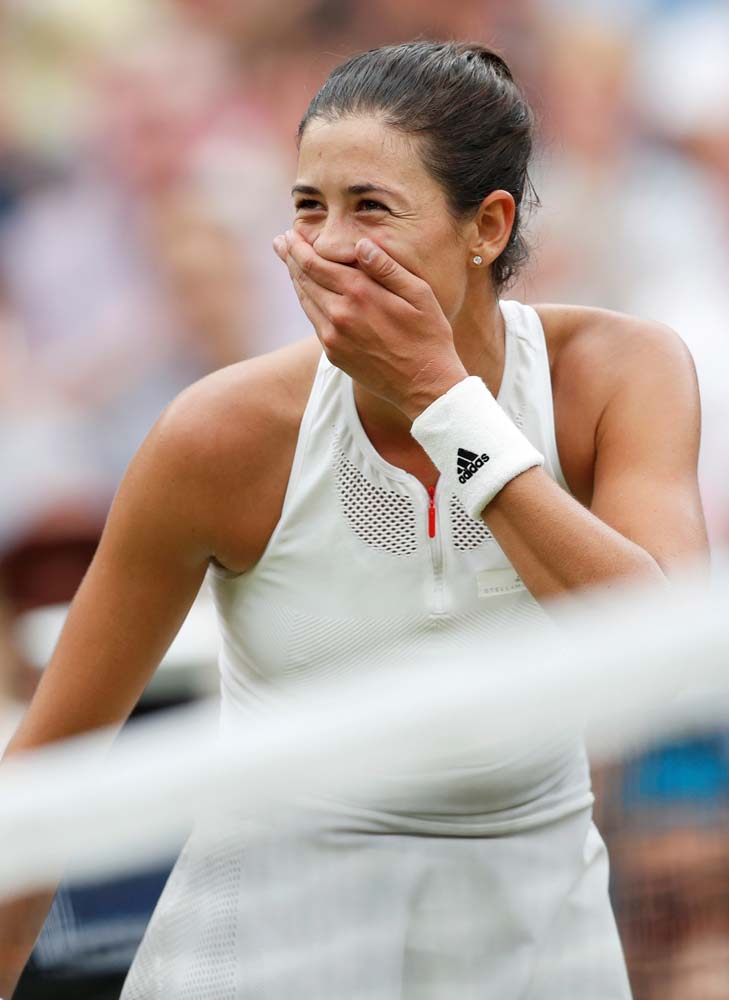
<point x="431" y="512"/>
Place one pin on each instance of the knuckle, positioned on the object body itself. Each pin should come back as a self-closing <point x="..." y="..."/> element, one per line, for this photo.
<point x="308" y="264"/>
<point x="339" y="315"/>
<point x="357" y="292"/>
<point x="328" y="338"/>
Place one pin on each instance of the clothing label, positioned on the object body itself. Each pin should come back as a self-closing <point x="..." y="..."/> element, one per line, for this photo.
<point x="498" y="581"/>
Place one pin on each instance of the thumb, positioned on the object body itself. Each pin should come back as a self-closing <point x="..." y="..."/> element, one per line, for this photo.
<point x="386" y="271"/>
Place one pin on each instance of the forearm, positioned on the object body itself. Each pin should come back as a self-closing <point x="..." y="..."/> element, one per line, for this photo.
<point x="556" y="544"/>
<point x="22" y="916"/>
<point x="21" y="921"/>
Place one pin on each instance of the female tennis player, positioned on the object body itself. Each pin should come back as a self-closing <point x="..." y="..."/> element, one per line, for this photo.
<point x="432" y="465"/>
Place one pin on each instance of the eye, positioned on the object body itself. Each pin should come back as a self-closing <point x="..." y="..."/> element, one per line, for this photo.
<point x="307" y="204"/>
<point x="370" y="205"/>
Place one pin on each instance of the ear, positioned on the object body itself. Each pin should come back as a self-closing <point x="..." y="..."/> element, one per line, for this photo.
<point x="492" y="226"/>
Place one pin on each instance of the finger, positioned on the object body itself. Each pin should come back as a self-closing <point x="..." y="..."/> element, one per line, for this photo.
<point x="328" y="274"/>
<point x="279" y="247"/>
<point x="311" y="307"/>
<point x="328" y="302"/>
<point x="322" y="327"/>
<point x="380" y="266"/>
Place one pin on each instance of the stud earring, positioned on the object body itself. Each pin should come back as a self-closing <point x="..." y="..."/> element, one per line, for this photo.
<point x="478" y="259"/>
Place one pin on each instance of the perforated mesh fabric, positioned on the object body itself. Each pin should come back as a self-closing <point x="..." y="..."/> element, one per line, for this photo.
<point x="466" y="533"/>
<point x="190" y="951"/>
<point x="212" y="971"/>
<point x="382" y="518"/>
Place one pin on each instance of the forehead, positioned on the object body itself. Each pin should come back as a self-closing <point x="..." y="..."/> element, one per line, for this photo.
<point x="338" y="153"/>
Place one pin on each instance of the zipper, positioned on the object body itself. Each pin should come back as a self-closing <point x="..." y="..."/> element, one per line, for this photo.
<point x="431" y="512"/>
<point x="436" y="554"/>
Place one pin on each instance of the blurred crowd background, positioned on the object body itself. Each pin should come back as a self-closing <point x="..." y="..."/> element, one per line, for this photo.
<point x="146" y="154"/>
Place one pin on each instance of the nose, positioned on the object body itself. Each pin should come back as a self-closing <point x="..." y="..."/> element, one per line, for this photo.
<point x="336" y="241"/>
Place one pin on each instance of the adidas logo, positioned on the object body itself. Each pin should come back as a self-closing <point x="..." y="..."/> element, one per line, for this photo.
<point x="469" y="464"/>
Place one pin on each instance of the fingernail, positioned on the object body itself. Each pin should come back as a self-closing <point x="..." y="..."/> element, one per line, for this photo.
<point x="288" y="236"/>
<point x="279" y="244"/>
<point x="367" y="250"/>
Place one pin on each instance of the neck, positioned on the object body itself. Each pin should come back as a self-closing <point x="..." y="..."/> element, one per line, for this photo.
<point x="479" y="338"/>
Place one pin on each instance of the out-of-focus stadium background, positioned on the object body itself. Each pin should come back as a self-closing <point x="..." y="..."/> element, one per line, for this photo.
<point x="146" y="154"/>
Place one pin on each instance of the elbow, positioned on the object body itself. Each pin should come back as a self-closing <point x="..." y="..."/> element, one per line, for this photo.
<point x="640" y="569"/>
<point x="650" y="571"/>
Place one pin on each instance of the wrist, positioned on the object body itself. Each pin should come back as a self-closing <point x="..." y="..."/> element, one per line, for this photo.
<point x="424" y="393"/>
<point x="473" y="443"/>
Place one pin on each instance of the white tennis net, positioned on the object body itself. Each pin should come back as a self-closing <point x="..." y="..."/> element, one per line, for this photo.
<point x="389" y="817"/>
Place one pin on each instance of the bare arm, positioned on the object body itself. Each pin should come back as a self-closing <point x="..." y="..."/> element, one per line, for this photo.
<point x="147" y="570"/>
<point x="209" y="480"/>
<point x="645" y="518"/>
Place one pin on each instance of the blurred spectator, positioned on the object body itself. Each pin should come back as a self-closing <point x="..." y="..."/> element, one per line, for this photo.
<point x="664" y="815"/>
<point x="203" y="269"/>
<point x="673" y="908"/>
<point x="212" y="140"/>
<point x="254" y="23"/>
<point x="629" y="221"/>
<point x="697" y="971"/>
<point x="682" y="91"/>
<point x="124" y="291"/>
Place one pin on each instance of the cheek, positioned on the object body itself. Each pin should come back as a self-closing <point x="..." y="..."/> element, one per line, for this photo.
<point x="412" y="251"/>
<point x="441" y="266"/>
<point x="308" y="230"/>
<point x="450" y="293"/>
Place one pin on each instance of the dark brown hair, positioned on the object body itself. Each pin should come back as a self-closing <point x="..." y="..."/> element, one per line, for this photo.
<point x="460" y="99"/>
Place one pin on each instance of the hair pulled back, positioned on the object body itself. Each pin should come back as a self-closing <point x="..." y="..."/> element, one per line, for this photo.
<point x="460" y="99"/>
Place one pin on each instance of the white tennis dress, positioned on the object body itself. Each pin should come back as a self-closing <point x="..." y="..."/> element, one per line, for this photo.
<point x="493" y="887"/>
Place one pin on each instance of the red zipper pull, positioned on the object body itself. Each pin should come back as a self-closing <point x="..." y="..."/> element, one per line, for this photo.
<point x="431" y="512"/>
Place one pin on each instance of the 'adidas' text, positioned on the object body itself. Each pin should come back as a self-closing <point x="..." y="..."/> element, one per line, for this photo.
<point x="469" y="463"/>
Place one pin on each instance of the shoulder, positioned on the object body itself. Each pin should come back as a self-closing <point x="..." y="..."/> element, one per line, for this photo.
<point x="612" y="372"/>
<point x="605" y="350"/>
<point x="226" y="444"/>
<point x="248" y="404"/>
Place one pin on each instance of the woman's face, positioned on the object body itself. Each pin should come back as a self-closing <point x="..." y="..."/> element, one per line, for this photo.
<point x="359" y="177"/>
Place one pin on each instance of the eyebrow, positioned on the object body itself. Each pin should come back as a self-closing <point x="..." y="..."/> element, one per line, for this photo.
<point x="354" y="189"/>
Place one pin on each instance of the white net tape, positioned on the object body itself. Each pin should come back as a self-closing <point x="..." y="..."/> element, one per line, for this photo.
<point x="312" y="904"/>
<point x="634" y="665"/>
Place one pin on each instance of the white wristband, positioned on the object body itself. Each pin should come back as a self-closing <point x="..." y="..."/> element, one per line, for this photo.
<point x="474" y="444"/>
